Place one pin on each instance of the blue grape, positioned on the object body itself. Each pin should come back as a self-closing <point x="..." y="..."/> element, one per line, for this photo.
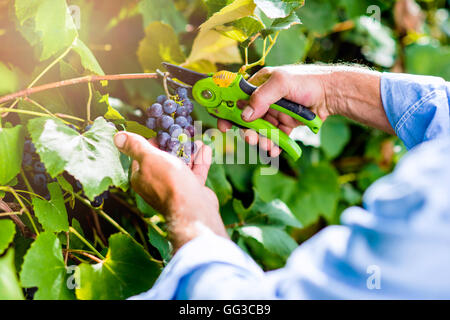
<point x="182" y="92"/>
<point x="182" y="111"/>
<point x="88" y="127"/>
<point x="27" y="159"/>
<point x="162" y="139"/>
<point x="181" y="121"/>
<point x="173" y="145"/>
<point x="165" y="122"/>
<point x="39" y="167"/>
<point x="189" y="119"/>
<point x="161" y="99"/>
<point x="175" y="130"/>
<point x="170" y="106"/>
<point x="190" y="130"/>
<point x="151" y="123"/>
<point x="39" y="179"/>
<point x="155" y="110"/>
<point x="189" y="105"/>
<point x="29" y="147"/>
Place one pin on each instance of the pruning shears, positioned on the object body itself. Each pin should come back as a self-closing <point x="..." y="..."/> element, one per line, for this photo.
<point x="219" y="92"/>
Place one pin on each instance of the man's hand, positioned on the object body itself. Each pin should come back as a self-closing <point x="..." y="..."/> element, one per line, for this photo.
<point x="327" y="90"/>
<point x="174" y="189"/>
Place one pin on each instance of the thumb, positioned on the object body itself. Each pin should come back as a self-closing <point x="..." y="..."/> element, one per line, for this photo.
<point x="133" y="145"/>
<point x="268" y="93"/>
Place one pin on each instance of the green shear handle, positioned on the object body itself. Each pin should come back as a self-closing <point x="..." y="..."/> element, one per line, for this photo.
<point x="220" y="99"/>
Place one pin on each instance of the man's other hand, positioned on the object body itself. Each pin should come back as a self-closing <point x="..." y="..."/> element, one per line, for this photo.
<point x="174" y="189"/>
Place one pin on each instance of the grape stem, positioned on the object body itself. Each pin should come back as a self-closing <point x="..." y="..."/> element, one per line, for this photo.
<point x="90" y="246"/>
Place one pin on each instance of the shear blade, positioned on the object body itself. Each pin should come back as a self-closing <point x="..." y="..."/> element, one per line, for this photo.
<point x="185" y="75"/>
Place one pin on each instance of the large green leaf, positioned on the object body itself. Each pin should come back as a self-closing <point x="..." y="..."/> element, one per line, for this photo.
<point x="218" y="182"/>
<point x="334" y="135"/>
<point x="9" y="284"/>
<point x="162" y="10"/>
<point x="314" y="194"/>
<point x="43" y="267"/>
<point x="278" y="8"/>
<point x="127" y="270"/>
<point x="275" y="212"/>
<point x="159" y="45"/>
<point x="88" y="59"/>
<point x="430" y="59"/>
<point x="52" y="23"/>
<point x="91" y="158"/>
<point x="7" y="231"/>
<point x="52" y="214"/>
<point x="235" y="10"/>
<point x="11" y="148"/>
<point x="9" y="81"/>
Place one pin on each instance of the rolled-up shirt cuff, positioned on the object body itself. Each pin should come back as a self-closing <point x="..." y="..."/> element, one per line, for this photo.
<point x="417" y="106"/>
<point x="207" y="249"/>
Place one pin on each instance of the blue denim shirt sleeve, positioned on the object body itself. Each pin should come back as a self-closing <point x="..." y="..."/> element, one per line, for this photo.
<point x="395" y="247"/>
<point x="417" y="106"/>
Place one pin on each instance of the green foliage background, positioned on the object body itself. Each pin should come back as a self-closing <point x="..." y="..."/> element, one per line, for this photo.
<point x="45" y="41"/>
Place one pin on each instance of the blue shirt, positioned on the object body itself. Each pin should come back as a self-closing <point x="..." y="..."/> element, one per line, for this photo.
<point x="396" y="247"/>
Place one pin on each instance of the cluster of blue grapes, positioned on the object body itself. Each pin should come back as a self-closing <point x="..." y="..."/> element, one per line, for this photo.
<point x="171" y="118"/>
<point x="35" y="168"/>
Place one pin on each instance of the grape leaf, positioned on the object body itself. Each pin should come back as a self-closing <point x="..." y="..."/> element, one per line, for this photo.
<point x="43" y="267"/>
<point x="88" y="59"/>
<point x="52" y="214"/>
<point x="232" y="12"/>
<point x="136" y="127"/>
<point x="215" y="5"/>
<point x="91" y="158"/>
<point x="273" y="239"/>
<point x="278" y="8"/>
<point x="217" y="181"/>
<point x="334" y="136"/>
<point x="282" y="24"/>
<point x="9" y="81"/>
<point x="7" y="231"/>
<point x="213" y="46"/>
<point x="314" y="194"/>
<point x="11" y="148"/>
<point x="159" y="242"/>
<point x="127" y="270"/>
<point x="161" y="10"/>
<point x="159" y="45"/>
<point x="53" y="24"/>
<point x="275" y="212"/>
<point x="9" y="284"/>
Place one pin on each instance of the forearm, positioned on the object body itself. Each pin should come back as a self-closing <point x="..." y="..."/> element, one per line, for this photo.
<point x="355" y="93"/>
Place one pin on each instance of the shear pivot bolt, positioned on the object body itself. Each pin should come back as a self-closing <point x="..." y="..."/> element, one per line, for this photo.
<point x="207" y="94"/>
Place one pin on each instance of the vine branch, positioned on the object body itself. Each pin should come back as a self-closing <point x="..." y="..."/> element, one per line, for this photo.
<point x="69" y="82"/>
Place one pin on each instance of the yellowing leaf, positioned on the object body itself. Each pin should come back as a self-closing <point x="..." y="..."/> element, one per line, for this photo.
<point x="160" y="44"/>
<point x="234" y="11"/>
<point x="213" y="46"/>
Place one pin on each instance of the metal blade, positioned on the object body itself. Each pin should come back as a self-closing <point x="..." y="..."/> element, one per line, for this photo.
<point x="185" y="75"/>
